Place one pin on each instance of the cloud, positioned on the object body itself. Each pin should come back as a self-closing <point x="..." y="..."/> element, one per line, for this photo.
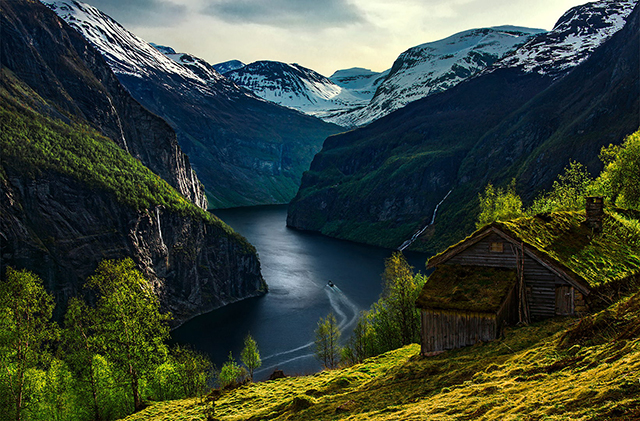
<point x="142" y="13"/>
<point x="287" y="13"/>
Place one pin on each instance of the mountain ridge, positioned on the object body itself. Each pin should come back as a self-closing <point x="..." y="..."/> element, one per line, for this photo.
<point x="246" y="151"/>
<point x="381" y="183"/>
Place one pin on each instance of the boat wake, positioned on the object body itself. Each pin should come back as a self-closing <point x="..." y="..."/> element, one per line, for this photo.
<point x="346" y="312"/>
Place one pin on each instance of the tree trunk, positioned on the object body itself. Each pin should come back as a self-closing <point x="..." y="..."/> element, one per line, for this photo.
<point x="137" y="405"/>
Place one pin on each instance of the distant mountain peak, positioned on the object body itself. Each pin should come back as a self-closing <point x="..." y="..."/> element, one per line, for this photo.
<point x="574" y="37"/>
<point x="296" y="86"/>
<point x="163" y="48"/>
<point x="228" y="66"/>
<point x="434" y="67"/>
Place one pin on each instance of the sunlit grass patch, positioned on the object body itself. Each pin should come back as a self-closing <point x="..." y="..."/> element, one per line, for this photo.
<point x="545" y="371"/>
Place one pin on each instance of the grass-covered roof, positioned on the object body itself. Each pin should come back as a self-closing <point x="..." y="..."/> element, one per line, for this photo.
<point x="564" y="238"/>
<point x="597" y="258"/>
<point x="467" y="288"/>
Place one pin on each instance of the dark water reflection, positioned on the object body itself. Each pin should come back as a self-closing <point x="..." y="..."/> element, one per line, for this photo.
<point x="297" y="267"/>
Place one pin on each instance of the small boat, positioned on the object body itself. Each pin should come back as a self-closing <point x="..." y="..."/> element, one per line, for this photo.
<point x="331" y="284"/>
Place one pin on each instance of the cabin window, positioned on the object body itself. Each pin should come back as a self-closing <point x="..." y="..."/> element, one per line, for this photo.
<point x="496" y="247"/>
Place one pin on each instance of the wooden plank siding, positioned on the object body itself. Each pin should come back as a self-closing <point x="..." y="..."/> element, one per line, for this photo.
<point x="479" y="254"/>
<point x="446" y="329"/>
<point x="508" y="312"/>
<point x="541" y="283"/>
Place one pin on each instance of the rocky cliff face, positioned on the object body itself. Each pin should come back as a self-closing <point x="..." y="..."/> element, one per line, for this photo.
<point x="59" y="226"/>
<point x="60" y="229"/>
<point x="246" y="151"/>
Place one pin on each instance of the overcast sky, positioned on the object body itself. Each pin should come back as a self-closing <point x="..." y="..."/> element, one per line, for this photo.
<point x="324" y="35"/>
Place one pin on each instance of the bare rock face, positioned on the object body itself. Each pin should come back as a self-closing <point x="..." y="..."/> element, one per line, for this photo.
<point x="60" y="227"/>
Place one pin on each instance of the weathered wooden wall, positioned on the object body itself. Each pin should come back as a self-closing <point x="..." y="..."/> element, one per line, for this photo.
<point x="445" y="329"/>
<point x="508" y="312"/>
<point x="541" y="283"/>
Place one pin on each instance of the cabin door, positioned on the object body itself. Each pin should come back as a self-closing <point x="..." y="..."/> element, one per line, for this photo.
<point x="564" y="300"/>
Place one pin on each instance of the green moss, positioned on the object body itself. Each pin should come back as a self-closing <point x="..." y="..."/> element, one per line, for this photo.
<point x="598" y="258"/>
<point x="468" y="288"/>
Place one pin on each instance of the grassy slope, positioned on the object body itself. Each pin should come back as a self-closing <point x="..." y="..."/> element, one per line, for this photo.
<point x="560" y="369"/>
<point x="33" y="143"/>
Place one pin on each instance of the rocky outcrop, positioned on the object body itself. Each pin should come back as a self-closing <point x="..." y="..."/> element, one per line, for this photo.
<point x="60" y="229"/>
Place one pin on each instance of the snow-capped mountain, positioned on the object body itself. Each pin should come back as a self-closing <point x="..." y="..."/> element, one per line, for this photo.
<point x="246" y="150"/>
<point x="361" y="82"/>
<point x="573" y="38"/>
<point x="228" y="66"/>
<point x="197" y="65"/>
<point x="298" y="87"/>
<point x="437" y="66"/>
<point x="128" y="54"/>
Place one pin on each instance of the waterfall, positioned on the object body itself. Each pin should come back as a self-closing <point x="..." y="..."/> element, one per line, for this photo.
<point x="417" y="234"/>
<point x="124" y="140"/>
<point x="159" y="227"/>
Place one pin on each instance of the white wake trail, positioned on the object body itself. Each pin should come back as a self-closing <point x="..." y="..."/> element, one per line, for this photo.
<point x="289" y="351"/>
<point x="340" y="301"/>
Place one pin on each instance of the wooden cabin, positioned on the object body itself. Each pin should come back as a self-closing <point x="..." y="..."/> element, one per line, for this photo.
<point x="504" y="273"/>
<point x="462" y="305"/>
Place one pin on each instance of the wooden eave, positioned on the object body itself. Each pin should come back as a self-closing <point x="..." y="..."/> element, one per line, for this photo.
<point x="539" y="256"/>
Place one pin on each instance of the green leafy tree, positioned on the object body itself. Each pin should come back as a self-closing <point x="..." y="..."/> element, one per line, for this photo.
<point x="250" y="355"/>
<point x="620" y="178"/>
<point x="327" y="349"/>
<point x="568" y="192"/>
<point x="80" y="344"/>
<point x="393" y="321"/>
<point x="194" y="370"/>
<point x="498" y="204"/>
<point x="401" y="292"/>
<point x="57" y="400"/>
<point x="231" y="374"/>
<point x="25" y="332"/>
<point x="360" y="344"/>
<point x="128" y="323"/>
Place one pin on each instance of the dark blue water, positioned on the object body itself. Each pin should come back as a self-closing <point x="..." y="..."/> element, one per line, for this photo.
<point x="297" y="267"/>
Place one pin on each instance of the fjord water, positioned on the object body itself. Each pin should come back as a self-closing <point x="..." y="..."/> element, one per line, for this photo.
<point x="297" y="267"/>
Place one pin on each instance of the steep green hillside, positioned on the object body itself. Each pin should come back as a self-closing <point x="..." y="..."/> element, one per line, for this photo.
<point x="382" y="183"/>
<point x="34" y="144"/>
<point x="560" y="369"/>
<point x="89" y="174"/>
